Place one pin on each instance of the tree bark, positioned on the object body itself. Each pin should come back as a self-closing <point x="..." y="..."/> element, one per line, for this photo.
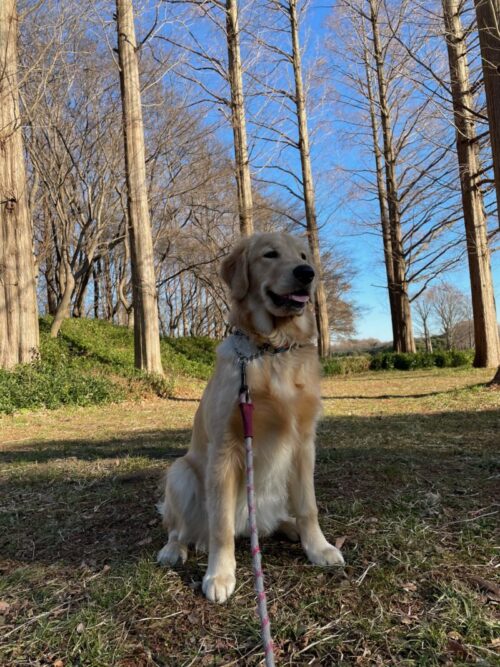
<point x="63" y="308"/>
<point x="478" y="254"/>
<point x="146" y="324"/>
<point x="19" y="337"/>
<point x="242" y="163"/>
<point x="382" y="198"/>
<point x="403" y="327"/>
<point x="488" y="23"/>
<point x="308" y="184"/>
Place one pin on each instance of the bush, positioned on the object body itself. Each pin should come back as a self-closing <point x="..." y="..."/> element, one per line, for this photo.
<point x="46" y="385"/>
<point x="346" y="365"/>
<point x="383" y="361"/>
<point x="406" y="361"/>
<point x="462" y="358"/>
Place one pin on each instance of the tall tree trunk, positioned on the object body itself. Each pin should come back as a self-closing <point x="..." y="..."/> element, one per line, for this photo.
<point x="488" y="23"/>
<point x="382" y="198"/>
<point x="19" y="336"/>
<point x="308" y="184"/>
<point x="242" y="163"/>
<point x="403" y="328"/>
<point x="483" y="299"/>
<point x="146" y="325"/>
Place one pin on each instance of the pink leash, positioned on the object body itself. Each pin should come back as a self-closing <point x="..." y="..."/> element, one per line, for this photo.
<point x="246" y="407"/>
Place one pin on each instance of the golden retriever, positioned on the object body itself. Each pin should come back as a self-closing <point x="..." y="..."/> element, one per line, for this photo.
<point x="272" y="283"/>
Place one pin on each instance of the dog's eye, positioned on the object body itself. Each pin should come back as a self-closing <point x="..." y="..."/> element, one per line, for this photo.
<point x="303" y="255"/>
<point x="272" y="254"/>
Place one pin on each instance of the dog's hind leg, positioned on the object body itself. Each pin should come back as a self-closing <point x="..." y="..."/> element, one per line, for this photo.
<point x="184" y="514"/>
<point x="288" y="528"/>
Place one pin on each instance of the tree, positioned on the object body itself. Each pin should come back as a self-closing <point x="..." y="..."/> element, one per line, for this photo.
<point x="242" y="164"/>
<point x="488" y="23"/>
<point x="450" y="309"/>
<point x="18" y="306"/>
<point x="424" y="310"/>
<point x="292" y="57"/>
<point x="402" y="172"/>
<point x="487" y="346"/>
<point x="146" y="325"/>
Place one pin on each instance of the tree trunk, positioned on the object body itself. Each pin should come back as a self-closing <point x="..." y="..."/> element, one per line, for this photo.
<point x="403" y="327"/>
<point x="95" y="276"/>
<point x="243" y="182"/>
<point x="478" y="254"/>
<point x="62" y="311"/>
<point x="382" y="198"/>
<point x="146" y="325"/>
<point x="19" y="336"/>
<point x="488" y="23"/>
<point x="308" y="184"/>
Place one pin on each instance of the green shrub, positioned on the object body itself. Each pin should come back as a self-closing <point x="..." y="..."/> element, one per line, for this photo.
<point x="346" y="365"/>
<point x="407" y="361"/>
<point x="383" y="361"/>
<point x="49" y="385"/>
<point x="442" y="359"/>
<point x="461" y="358"/>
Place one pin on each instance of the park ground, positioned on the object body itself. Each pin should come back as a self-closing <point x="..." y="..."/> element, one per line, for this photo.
<point x="407" y="482"/>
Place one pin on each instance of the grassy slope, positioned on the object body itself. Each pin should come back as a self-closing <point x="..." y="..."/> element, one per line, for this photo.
<point x="407" y="473"/>
<point x="92" y="362"/>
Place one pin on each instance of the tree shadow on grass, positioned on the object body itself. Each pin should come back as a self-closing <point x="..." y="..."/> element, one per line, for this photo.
<point x="95" y="501"/>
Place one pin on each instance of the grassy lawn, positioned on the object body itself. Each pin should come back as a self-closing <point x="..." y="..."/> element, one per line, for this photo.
<point x="407" y="479"/>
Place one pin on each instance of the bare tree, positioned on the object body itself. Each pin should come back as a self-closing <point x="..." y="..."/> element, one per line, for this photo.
<point x="18" y="305"/>
<point x="450" y="309"/>
<point x="487" y="347"/>
<point x="146" y="325"/>
<point x="242" y="163"/>
<point x="424" y="308"/>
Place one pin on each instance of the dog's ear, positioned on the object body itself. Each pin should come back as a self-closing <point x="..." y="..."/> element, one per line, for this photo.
<point x="234" y="270"/>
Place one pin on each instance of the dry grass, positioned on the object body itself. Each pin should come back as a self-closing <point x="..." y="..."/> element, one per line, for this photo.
<point x="407" y="473"/>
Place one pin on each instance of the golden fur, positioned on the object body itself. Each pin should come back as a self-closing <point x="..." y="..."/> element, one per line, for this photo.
<point x="205" y="493"/>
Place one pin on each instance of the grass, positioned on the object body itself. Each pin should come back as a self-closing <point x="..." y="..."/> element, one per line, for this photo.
<point x="92" y="362"/>
<point x="407" y="477"/>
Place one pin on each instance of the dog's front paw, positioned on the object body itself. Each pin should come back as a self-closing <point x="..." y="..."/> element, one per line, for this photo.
<point x="218" y="587"/>
<point x="328" y="555"/>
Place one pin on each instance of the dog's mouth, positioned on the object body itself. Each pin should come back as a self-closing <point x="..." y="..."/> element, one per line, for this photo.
<point x="292" y="301"/>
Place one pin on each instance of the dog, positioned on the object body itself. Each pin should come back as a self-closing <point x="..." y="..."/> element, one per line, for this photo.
<point x="271" y="280"/>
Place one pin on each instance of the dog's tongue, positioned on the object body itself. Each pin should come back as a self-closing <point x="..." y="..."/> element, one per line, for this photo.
<point x="301" y="298"/>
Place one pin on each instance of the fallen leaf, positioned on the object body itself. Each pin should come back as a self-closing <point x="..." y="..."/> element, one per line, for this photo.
<point x="410" y="586"/>
<point x="457" y="648"/>
<point x="491" y="589"/>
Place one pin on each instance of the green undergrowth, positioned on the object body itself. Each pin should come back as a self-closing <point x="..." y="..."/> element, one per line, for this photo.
<point x="92" y="362"/>
<point x="402" y="361"/>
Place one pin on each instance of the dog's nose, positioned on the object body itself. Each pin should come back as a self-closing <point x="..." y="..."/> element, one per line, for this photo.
<point x="304" y="273"/>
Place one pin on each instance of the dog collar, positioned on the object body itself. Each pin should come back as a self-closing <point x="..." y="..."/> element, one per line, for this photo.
<point x="246" y="350"/>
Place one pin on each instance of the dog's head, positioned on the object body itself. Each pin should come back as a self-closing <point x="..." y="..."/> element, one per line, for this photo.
<point x="271" y="278"/>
